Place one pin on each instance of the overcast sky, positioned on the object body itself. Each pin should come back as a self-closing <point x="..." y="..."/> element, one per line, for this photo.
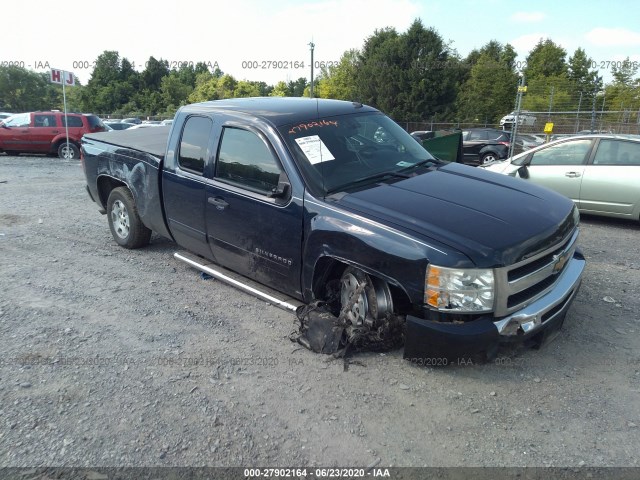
<point x="71" y="34"/>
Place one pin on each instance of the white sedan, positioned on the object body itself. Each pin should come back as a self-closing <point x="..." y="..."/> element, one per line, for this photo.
<point x="600" y="173"/>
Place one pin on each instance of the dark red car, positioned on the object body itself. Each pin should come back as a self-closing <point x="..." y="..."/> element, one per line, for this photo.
<point x="45" y="132"/>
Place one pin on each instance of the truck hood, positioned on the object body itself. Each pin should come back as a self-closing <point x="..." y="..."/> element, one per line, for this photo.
<point x="493" y="219"/>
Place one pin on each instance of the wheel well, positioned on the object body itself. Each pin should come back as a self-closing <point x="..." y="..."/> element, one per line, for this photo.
<point x="105" y="186"/>
<point x="56" y="145"/>
<point x="328" y="269"/>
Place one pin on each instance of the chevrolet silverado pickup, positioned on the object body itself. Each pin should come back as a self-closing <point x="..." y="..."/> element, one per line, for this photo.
<point x="282" y="197"/>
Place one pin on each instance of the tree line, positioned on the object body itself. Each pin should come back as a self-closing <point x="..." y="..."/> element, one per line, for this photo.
<point x="412" y="76"/>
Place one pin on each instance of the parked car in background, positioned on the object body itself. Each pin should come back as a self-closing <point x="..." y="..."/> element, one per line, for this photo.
<point x="600" y="173"/>
<point x="119" y="125"/>
<point x="527" y="142"/>
<point x="146" y="125"/>
<point x="167" y="122"/>
<point x="134" y="120"/>
<point x="524" y="118"/>
<point x="485" y="145"/>
<point x="45" y="132"/>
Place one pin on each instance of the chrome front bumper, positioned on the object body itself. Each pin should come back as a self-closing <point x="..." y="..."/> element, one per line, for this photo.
<point x="432" y="340"/>
<point x="534" y="316"/>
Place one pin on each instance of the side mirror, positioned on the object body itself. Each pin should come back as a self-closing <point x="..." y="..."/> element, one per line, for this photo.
<point x="523" y="172"/>
<point x="281" y="191"/>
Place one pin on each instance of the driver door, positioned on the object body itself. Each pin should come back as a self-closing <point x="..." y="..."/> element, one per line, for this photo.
<point x="253" y="224"/>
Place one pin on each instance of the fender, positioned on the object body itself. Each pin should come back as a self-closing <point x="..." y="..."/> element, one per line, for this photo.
<point x="139" y="172"/>
<point x="63" y="138"/>
<point x="379" y="250"/>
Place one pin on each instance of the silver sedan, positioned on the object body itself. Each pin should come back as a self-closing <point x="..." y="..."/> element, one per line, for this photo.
<point x="600" y="173"/>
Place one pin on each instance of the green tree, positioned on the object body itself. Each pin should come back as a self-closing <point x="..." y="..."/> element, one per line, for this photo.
<point x="113" y="83"/>
<point x="205" y="88"/>
<point x="490" y="90"/>
<point x="546" y="59"/>
<point x="585" y="81"/>
<point x="410" y="76"/>
<point x="296" y="88"/>
<point x="623" y="93"/>
<point x="245" y="88"/>
<point x="22" y="90"/>
<point x="280" y="90"/>
<point x="174" y="91"/>
<point x="338" y="81"/>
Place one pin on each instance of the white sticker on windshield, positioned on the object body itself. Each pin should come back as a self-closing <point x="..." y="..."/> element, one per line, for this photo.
<point x="404" y="164"/>
<point x="315" y="149"/>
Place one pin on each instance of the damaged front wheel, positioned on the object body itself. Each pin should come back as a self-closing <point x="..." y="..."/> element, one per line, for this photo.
<point x="373" y="301"/>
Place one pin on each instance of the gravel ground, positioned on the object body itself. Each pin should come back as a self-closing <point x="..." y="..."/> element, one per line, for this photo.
<point x="110" y="357"/>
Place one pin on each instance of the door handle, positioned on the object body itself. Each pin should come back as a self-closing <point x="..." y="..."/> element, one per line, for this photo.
<point x="55" y="131"/>
<point x="218" y="202"/>
<point x="572" y="174"/>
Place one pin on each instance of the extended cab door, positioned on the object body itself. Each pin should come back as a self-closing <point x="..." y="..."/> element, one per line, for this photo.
<point x="254" y="223"/>
<point x="183" y="185"/>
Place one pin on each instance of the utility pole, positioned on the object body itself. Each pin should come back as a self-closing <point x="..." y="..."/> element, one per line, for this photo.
<point x="593" y="107"/>
<point x="578" y="114"/>
<point x="312" y="45"/>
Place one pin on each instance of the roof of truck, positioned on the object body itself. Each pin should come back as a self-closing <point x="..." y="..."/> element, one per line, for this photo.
<point x="282" y="110"/>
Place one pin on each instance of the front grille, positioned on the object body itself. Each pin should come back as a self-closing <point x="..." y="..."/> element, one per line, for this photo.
<point x="520" y="284"/>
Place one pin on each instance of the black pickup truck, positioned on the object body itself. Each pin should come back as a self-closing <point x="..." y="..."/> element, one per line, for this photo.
<point x="284" y="196"/>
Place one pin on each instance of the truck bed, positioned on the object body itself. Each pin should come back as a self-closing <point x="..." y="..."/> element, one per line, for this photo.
<point x="151" y="140"/>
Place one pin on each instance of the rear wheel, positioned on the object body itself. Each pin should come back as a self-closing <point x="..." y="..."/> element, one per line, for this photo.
<point x="488" y="158"/>
<point x="373" y="303"/>
<point x="72" y="152"/>
<point x="124" y="222"/>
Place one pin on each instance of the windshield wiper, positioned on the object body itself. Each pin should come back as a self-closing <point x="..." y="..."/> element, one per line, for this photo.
<point x="369" y="178"/>
<point x="423" y="163"/>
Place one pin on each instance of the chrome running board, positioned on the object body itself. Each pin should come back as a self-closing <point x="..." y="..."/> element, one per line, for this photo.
<point x="276" y="298"/>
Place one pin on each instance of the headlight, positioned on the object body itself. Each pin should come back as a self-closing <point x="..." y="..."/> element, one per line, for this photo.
<point x="459" y="290"/>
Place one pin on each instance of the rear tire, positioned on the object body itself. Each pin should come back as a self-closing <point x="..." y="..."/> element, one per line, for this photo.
<point x="488" y="158"/>
<point x="124" y="222"/>
<point x="72" y="153"/>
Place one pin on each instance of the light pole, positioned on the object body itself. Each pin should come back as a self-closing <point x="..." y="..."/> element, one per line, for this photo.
<point x="312" y="45"/>
<point x="522" y="88"/>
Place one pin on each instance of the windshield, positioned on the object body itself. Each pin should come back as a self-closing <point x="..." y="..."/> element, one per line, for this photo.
<point x="20" y="120"/>
<point x="342" y="152"/>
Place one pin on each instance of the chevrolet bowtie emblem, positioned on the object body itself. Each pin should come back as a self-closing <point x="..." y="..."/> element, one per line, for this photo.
<point x="559" y="261"/>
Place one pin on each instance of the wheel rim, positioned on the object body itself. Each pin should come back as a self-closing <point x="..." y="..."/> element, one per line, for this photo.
<point x="120" y="219"/>
<point x="488" y="159"/>
<point x="68" y="152"/>
<point x="358" y="311"/>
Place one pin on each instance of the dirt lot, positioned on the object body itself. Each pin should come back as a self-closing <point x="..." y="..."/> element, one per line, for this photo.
<point x="111" y="357"/>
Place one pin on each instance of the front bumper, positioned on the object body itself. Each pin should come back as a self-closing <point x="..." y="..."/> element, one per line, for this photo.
<point x="426" y="339"/>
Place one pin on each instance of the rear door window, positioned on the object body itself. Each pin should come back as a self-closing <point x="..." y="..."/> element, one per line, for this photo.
<point x="192" y="155"/>
<point x="617" y="152"/>
<point x="72" y="121"/>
